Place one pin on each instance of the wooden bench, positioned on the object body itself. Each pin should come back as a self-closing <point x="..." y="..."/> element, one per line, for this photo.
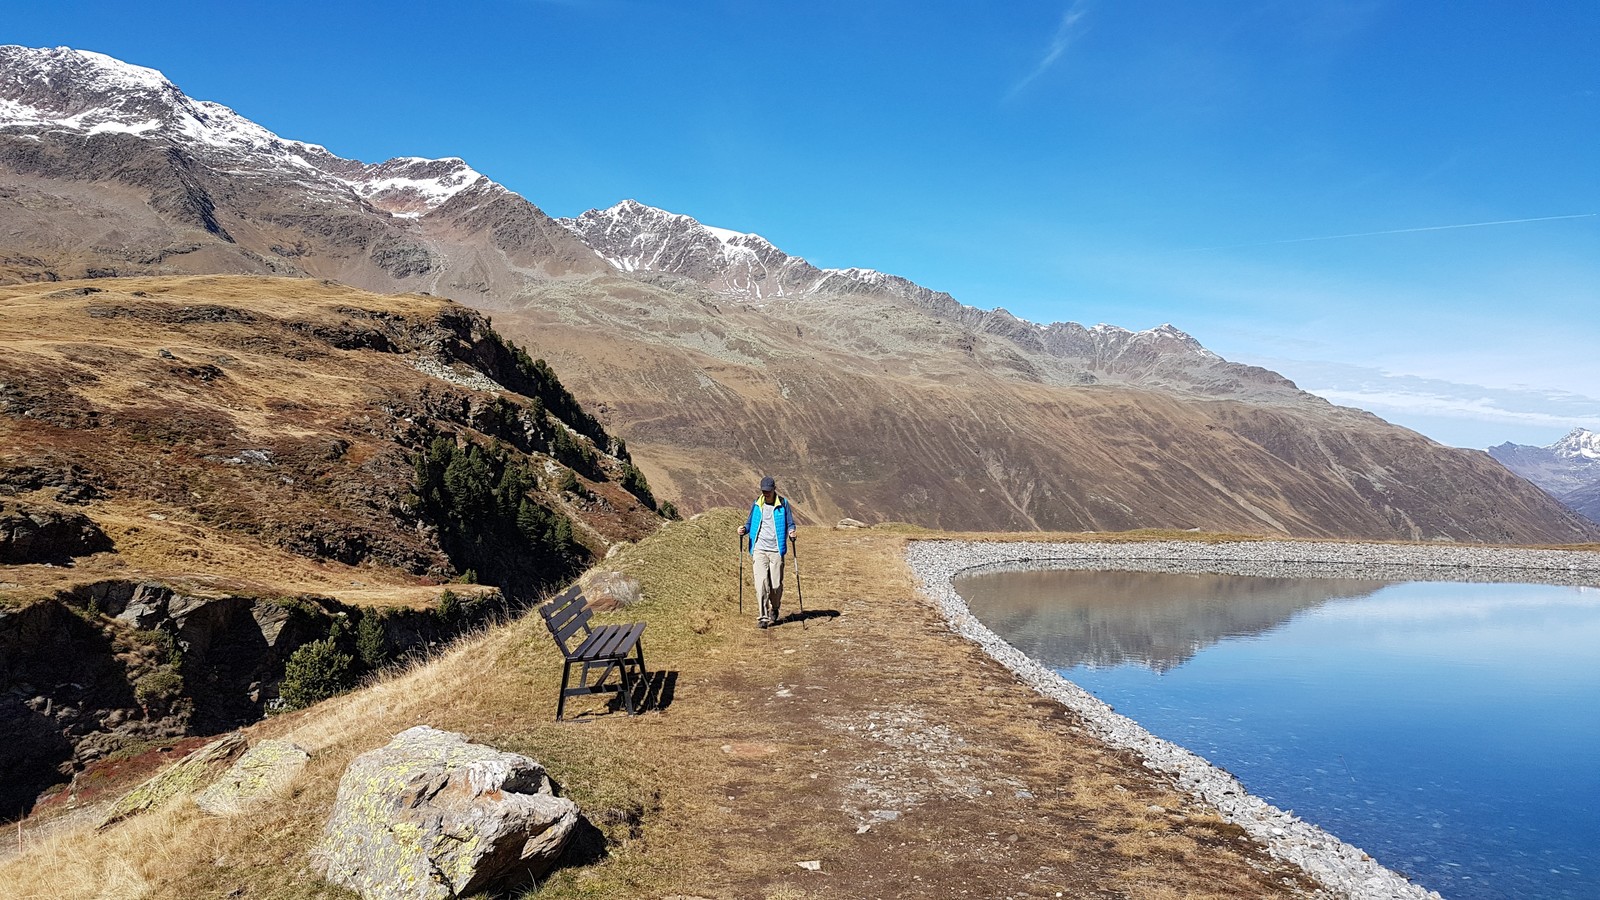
<point x="607" y="649"/>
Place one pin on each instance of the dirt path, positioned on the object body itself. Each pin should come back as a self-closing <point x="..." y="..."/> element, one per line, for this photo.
<point x="907" y="763"/>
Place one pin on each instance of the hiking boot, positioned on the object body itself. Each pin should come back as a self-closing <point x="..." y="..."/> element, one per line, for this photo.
<point x="763" y="623"/>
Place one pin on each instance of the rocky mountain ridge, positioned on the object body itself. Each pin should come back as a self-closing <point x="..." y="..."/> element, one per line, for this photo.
<point x="722" y="358"/>
<point x="747" y="267"/>
<point x="89" y="94"/>
<point x="1568" y="469"/>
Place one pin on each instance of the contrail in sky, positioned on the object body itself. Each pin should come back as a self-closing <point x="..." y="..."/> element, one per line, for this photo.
<point x="1336" y="237"/>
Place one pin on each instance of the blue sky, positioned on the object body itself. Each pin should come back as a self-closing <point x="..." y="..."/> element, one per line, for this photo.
<point x="1130" y="162"/>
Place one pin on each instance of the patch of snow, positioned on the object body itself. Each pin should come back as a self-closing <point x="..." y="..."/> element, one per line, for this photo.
<point x="430" y="192"/>
<point x="123" y="128"/>
<point x="725" y="235"/>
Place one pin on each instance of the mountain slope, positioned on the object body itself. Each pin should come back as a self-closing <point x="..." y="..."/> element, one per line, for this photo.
<point x="112" y="170"/>
<point x="276" y="434"/>
<point x="720" y="356"/>
<point x="877" y="427"/>
<point x="1569" y="469"/>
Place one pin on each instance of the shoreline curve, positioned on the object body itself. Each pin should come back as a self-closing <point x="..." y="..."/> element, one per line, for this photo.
<point x="1341" y="868"/>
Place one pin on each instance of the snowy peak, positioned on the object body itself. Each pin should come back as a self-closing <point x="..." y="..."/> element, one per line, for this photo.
<point x="64" y="85"/>
<point x="411" y="186"/>
<point x="1581" y="443"/>
<point x="639" y="238"/>
<point x="79" y="91"/>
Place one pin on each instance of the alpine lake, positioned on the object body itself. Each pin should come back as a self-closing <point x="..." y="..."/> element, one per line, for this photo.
<point x="1449" y="729"/>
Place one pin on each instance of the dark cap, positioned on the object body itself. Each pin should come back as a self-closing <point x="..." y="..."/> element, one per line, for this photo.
<point x="768" y="484"/>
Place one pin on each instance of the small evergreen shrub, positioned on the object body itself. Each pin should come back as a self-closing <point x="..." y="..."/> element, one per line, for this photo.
<point x="159" y="688"/>
<point x="372" y="645"/>
<point x="448" y="607"/>
<point x="316" y="671"/>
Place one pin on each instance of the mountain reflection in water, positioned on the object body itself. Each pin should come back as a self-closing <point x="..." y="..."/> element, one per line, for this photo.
<point x="1158" y="620"/>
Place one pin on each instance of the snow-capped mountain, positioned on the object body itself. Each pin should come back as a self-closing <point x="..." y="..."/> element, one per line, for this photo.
<point x="718" y="354"/>
<point x="204" y="189"/>
<point x="637" y="238"/>
<point x="87" y="94"/>
<point x="1580" y="443"/>
<point x="1568" y="470"/>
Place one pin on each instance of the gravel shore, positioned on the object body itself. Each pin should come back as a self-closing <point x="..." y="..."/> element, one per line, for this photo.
<point x="1344" y="870"/>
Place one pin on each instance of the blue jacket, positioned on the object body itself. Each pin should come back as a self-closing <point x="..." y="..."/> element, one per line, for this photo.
<point x="780" y="522"/>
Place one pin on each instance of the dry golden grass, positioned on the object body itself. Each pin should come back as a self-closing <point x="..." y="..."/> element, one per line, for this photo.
<point x="154" y="389"/>
<point x="775" y="748"/>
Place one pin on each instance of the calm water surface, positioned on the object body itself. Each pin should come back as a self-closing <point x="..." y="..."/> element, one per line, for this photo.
<point x="1451" y="730"/>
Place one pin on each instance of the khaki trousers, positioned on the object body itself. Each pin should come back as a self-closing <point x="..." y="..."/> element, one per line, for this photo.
<point x="766" y="566"/>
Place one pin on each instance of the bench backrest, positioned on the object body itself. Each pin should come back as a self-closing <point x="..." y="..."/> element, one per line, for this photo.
<point x="566" y="615"/>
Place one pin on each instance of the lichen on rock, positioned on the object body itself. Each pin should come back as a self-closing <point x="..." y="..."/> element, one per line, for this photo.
<point x="433" y="816"/>
<point x="263" y="771"/>
<point x="188" y="774"/>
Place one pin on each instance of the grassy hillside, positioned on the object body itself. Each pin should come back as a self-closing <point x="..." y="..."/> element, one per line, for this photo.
<point x="775" y="747"/>
<point x="286" y="436"/>
<point x="200" y="475"/>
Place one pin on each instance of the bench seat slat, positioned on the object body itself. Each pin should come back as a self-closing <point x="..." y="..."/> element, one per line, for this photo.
<point x="609" y="642"/>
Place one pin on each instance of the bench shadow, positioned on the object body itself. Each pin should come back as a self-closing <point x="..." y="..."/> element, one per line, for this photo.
<point x="659" y="691"/>
<point x="654" y="695"/>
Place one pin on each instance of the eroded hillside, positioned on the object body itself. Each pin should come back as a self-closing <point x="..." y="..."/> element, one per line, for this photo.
<point x="870" y="407"/>
<point x="200" y="475"/>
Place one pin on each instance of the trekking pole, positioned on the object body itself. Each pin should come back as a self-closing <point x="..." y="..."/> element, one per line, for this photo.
<point x="741" y="574"/>
<point x="794" y="547"/>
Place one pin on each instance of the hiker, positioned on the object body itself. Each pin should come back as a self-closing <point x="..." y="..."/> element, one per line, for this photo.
<point x="770" y="529"/>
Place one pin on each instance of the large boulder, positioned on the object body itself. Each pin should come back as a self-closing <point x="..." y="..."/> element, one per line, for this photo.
<point x="606" y="591"/>
<point x="432" y="816"/>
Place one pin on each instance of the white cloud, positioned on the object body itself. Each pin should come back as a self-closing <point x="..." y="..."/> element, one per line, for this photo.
<point x="1480" y="408"/>
<point x="1066" y="31"/>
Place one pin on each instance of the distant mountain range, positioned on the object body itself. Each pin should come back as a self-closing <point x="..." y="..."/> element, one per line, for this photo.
<point x="1569" y="469"/>
<point x="720" y="357"/>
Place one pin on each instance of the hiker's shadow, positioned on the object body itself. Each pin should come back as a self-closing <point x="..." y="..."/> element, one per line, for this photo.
<point x="809" y="615"/>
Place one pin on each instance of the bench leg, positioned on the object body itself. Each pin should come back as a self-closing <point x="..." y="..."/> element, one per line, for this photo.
<point x="561" y="699"/>
<point x="644" y="674"/>
<point x="627" y="689"/>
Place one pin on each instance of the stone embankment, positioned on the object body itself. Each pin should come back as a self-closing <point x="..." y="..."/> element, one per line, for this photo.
<point x="1343" y="869"/>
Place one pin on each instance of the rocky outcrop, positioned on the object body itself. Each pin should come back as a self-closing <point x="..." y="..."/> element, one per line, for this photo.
<point x="190" y="773"/>
<point x="117" y="662"/>
<point x="433" y="816"/>
<point x="30" y="534"/>
<point x="261" y="773"/>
